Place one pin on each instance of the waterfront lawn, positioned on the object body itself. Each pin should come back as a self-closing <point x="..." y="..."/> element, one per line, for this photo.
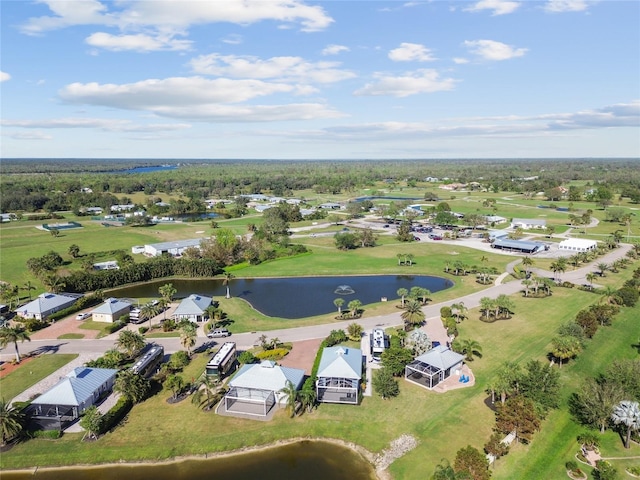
<point x="31" y="372"/>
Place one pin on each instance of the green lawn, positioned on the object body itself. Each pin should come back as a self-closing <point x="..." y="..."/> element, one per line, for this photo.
<point x="31" y="373"/>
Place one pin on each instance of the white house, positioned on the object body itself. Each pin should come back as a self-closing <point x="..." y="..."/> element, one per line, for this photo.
<point x="495" y="219"/>
<point x="192" y="308"/>
<point x="577" y="245"/>
<point x="256" y="388"/>
<point x="109" y="265"/>
<point x="528" y="223"/>
<point x="434" y="366"/>
<point x="46" y="304"/>
<point x="122" y="208"/>
<point x="175" y="248"/>
<point x="111" y="310"/>
<point x="339" y="375"/>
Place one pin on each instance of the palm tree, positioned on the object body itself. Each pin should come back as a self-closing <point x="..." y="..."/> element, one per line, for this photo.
<point x="354" y="307"/>
<point x="188" y="335"/>
<point x="13" y="335"/>
<point x="486" y="307"/>
<point x="339" y="302"/>
<point x="527" y="262"/>
<point x="460" y="310"/>
<point x="205" y="386"/>
<point x="28" y="286"/>
<point x="526" y="283"/>
<point x="590" y="278"/>
<point x="11" y="421"/>
<point x="54" y="282"/>
<point x="564" y="348"/>
<point x="175" y="383"/>
<point x="225" y="281"/>
<point x="131" y="385"/>
<point x="602" y="268"/>
<point x="610" y="295"/>
<point x="74" y="250"/>
<point x="410" y="257"/>
<point x="148" y="311"/>
<point x="413" y="316"/>
<point x="504" y="306"/>
<point x="469" y="348"/>
<point x="628" y="414"/>
<point x="399" y="256"/>
<point x="307" y="397"/>
<point x="290" y="393"/>
<point x="402" y="292"/>
<point x="167" y="292"/>
<point x="130" y="342"/>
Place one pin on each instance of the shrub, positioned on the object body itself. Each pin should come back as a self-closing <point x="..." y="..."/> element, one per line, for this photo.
<point x="445" y="312"/>
<point x="179" y="360"/>
<point x="273" y="354"/>
<point x="246" y="357"/>
<point x="605" y="471"/>
<point x="116" y="414"/>
<point x="571" y="465"/>
<point x="33" y="324"/>
<point x="336" y="337"/>
<point x="48" y="434"/>
<point x="114" y="327"/>
<point x="629" y="296"/>
<point x="143" y="330"/>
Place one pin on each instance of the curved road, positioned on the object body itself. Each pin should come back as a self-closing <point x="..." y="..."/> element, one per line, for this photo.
<point x="95" y="348"/>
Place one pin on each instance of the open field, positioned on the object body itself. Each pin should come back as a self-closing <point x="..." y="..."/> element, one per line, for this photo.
<point x="31" y="373"/>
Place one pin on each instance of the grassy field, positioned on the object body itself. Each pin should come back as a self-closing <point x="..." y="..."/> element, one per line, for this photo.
<point x="31" y="373"/>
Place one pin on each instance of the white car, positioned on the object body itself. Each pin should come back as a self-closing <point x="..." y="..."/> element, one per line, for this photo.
<point x="83" y="316"/>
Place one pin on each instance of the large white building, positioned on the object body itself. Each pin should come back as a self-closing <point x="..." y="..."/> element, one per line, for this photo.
<point x="175" y="248"/>
<point x="577" y="245"/>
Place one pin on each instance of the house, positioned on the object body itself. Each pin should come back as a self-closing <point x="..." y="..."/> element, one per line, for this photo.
<point x="46" y="304"/>
<point x="111" y="310"/>
<point x="576" y="245"/>
<point x="339" y="375"/>
<point x="63" y="403"/>
<point x="93" y="210"/>
<point x="519" y="246"/>
<point x="122" y="208"/>
<point x="192" y="308"/>
<point x="494" y="219"/>
<point x="433" y="367"/>
<point x="110" y="265"/>
<point x="6" y="217"/>
<point x="528" y="223"/>
<point x="175" y="248"/>
<point x="495" y="234"/>
<point x="256" y="388"/>
<point x="330" y="206"/>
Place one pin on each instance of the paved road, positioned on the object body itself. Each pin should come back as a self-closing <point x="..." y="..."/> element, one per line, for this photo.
<point x="246" y="340"/>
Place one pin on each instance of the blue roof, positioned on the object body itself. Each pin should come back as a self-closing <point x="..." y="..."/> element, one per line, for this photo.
<point x="341" y="362"/>
<point x="267" y="375"/>
<point x="47" y="302"/>
<point x="192" y="305"/>
<point x="77" y="388"/>
<point x="111" y="306"/>
<point x="517" y="244"/>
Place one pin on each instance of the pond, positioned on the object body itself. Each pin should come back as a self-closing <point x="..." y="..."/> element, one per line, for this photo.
<point x="294" y="297"/>
<point x="311" y="460"/>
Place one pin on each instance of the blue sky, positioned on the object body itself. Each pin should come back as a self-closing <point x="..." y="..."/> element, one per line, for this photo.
<point x="293" y="79"/>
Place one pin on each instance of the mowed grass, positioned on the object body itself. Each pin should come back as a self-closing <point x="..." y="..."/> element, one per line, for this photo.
<point x="31" y="373"/>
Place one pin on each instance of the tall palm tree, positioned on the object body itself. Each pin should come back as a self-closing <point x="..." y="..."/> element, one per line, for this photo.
<point x="590" y="278"/>
<point x="602" y="268"/>
<point x="13" y="335"/>
<point x="339" y="302"/>
<point x="11" y="421"/>
<point x="28" y="286"/>
<point x="354" y="307"/>
<point x="205" y="387"/>
<point x="468" y="348"/>
<point x="486" y="307"/>
<point x="402" y="293"/>
<point x="628" y="414"/>
<point x="130" y="342"/>
<point x="148" y="311"/>
<point x="225" y="281"/>
<point x="413" y="316"/>
<point x="527" y="262"/>
<point x="131" y="385"/>
<point x="564" y="348"/>
<point x="188" y="335"/>
<point x="291" y="396"/>
<point x="167" y="291"/>
<point x="307" y="397"/>
<point x="460" y="311"/>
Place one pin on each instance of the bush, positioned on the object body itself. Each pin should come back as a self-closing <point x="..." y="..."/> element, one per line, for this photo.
<point x="246" y="358"/>
<point x="48" y="434"/>
<point x="116" y="414"/>
<point x="629" y="296"/>
<point x="605" y="471"/>
<point x="115" y="326"/>
<point x="179" y="360"/>
<point x="143" y="330"/>
<point x="336" y="337"/>
<point x="571" y="465"/>
<point x="32" y="324"/>
<point x="445" y="312"/>
<point x="274" y="354"/>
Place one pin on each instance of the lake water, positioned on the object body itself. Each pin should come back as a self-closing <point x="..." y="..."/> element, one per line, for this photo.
<point x="310" y="460"/>
<point x="294" y="297"/>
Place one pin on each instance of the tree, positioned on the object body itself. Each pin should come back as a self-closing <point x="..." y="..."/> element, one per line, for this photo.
<point x="518" y="414"/>
<point x="504" y="306"/>
<point x="91" y="421"/>
<point x="175" y="383"/>
<point x="354" y="307"/>
<point x="131" y="385"/>
<point x="396" y="359"/>
<point x="307" y="395"/>
<point x="402" y="293"/>
<point x="74" y="250"/>
<point x="487" y="305"/>
<point x="345" y="240"/>
<point x="28" y="286"/>
<point x="11" y="421"/>
<point x="413" y="315"/>
<point x="602" y="268"/>
<point x="444" y="471"/>
<point x="354" y="330"/>
<point x="527" y="262"/>
<point x="495" y="446"/>
<point x="418" y="341"/>
<point x="541" y="383"/>
<point x="367" y="237"/>
<point x="590" y="278"/>
<point x="148" y="311"/>
<point x="339" y="302"/>
<point x="627" y="413"/>
<point x="204" y="390"/>
<point x="469" y="348"/>
<point x="460" y="311"/>
<point x="188" y="335"/>
<point x="130" y="342"/>
<point x="54" y="232"/>
<point x="473" y="462"/>
<point x="225" y="281"/>
<point x="167" y="292"/>
<point x="565" y="348"/>
<point x="595" y="401"/>
<point x="290" y="393"/>
<point x="13" y="335"/>
<point x="384" y="384"/>
<point x="506" y="381"/>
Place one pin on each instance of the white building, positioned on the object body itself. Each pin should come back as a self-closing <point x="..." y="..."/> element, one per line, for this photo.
<point x="577" y="245"/>
<point x="111" y="310"/>
<point x="528" y="223"/>
<point x="46" y="304"/>
<point x="192" y="308"/>
<point x="172" y="248"/>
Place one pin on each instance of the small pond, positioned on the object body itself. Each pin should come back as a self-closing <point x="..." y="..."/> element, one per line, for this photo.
<point x="311" y="460"/>
<point x="294" y="297"/>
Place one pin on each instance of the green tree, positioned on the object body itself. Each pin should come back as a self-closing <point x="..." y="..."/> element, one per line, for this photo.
<point x="11" y="421"/>
<point x="91" y="421"/>
<point x="290" y="393"/>
<point x="402" y="293"/>
<point x="627" y="413"/>
<point x="188" y="336"/>
<point x="384" y="384"/>
<point x="467" y="347"/>
<point x="167" y="291"/>
<point x="354" y="331"/>
<point x="594" y="402"/>
<point x="175" y="383"/>
<point x="225" y="281"/>
<point x="473" y="462"/>
<point x="395" y="359"/>
<point x="148" y="311"/>
<point x="518" y="414"/>
<point x="205" y="388"/>
<point x="74" y="250"/>
<point x="130" y="342"/>
<point x="28" y="286"/>
<point x="131" y="385"/>
<point x="495" y="446"/>
<point x="339" y="302"/>
<point x="354" y="307"/>
<point x="307" y="395"/>
<point x="413" y="315"/>
<point x="13" y="335"/>
<point x="564" y="348"/>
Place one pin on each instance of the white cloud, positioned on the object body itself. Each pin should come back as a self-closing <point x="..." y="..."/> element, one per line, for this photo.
<point x="233" y="39"/>
<point x="281" y="68"/>
<point x="109" y="125"/>
<point x="198" y="99"/>
<point x="171" y="16"/>
<point x="460" y="60"/>
<point x="412" y="83"/>
<point x="499" y="7"/>
<point x="27" y="135"/>
<point x="4" y="76"/>
<point x="334" y="49"/>
<point x="492" y="50"/>
<point x="560" y="6"/>
<point x="139" y="42"/>
<point x="411" y="52"/>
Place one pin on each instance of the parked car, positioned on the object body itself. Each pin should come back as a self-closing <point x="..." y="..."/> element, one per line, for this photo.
<point x="435" y="236"/>
<point x="417" y="239"/>
<point x="83" y="316"/>
<point x="218" y="332"/>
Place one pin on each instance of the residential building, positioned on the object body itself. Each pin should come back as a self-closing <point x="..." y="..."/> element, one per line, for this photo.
<point x="175" y="248"/>
<point x="111" y="310"/>
<point x="339" y="375"/>
<point x="47" y="304"/>
<point x="528" y="223"/>
<point x="434" y="366"/>
<point x="577" y="245"/>
<point x="192" y="308"/>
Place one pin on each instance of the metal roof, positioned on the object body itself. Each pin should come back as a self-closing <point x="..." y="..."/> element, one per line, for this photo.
<point x="517" y="244"/>
<point x="440" y="357"/>
<point x="341" y="362"/>
<point x="163" y="246"/>
<point x="267" y="375"/>
<point x="111" y="306"/>
<point x="192" y="305"/>
<point x="47" y="302"/>
<point x="78" y="387"/>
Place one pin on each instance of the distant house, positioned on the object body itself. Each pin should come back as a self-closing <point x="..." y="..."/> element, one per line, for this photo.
<point x="339" y="375"/>
<point x="577" y="245"/>
<point x="453" y="186"/>
<point x="433" y="367"/>
<point x="330" y="206"/>
<point x="110" y="265"/>
<point x="46" y="304"/>
<point x="111" y="310"/>
<point x="256" y="388"/>
<point x="6" y="217"/>
<point x="528" y="223"/>
<point x="63" y="403"/>
<point x="192" y="308"/>
<point x="172" y="248"/>
<point x="495" y="219"/>
<point x="122" y="208"/>
<point x="93" y="210"/>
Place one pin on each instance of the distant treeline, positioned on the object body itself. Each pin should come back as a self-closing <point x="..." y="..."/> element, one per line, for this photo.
<point x="53" y="185"/>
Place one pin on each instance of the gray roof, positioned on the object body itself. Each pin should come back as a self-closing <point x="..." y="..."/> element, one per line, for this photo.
<point x="517" y="244"/>
<point x="192" y="305"/>
<point x="111" y="306"/>
<point x="47" y="302"/>
<point x="267" y="375"/>
<point x="440" y="357"/>
<point x="531" y="221"/>
<point x="163" y="246"/>
<point x="341" y="362"/>
<point x="78" y="387"/>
